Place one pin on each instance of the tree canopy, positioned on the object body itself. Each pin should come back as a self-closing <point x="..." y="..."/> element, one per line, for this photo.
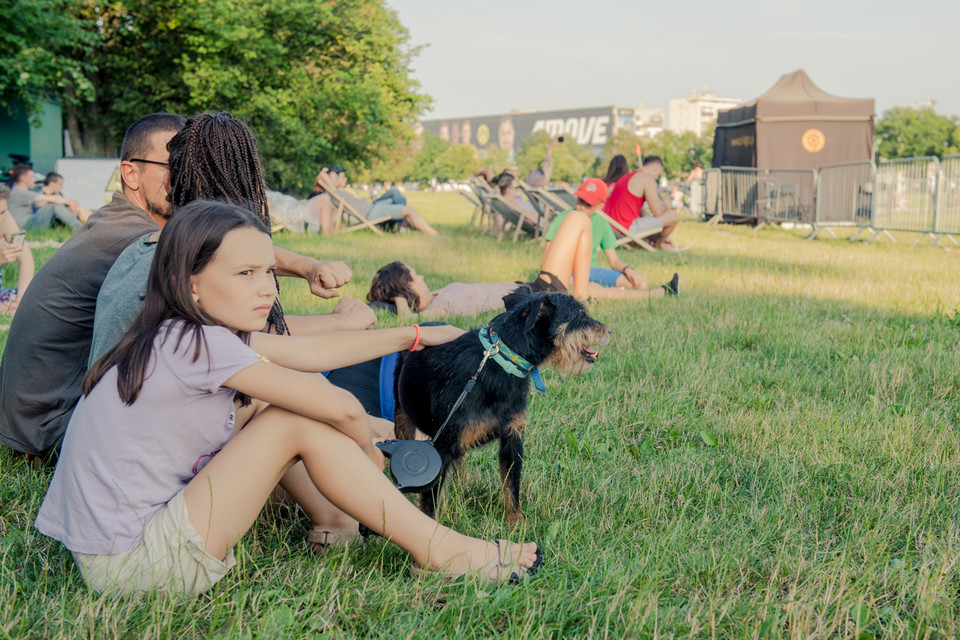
<point x="320" y="82"/>
<point x="910" y="133"/>
<point x="43" y="53"/>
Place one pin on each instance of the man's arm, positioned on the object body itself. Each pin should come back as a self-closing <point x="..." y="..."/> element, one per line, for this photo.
<point x="322" y="276"/>
<point x="628" y="272"/>
<point x="43" y="198"/>
<point x="646" y="186"/>
<point x="350" y="314"/>
<point x="547" y="166"/>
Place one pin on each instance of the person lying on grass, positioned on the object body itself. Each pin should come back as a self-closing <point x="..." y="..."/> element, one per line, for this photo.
<point x="156" y="481"/>
<point x="400" y="289"/>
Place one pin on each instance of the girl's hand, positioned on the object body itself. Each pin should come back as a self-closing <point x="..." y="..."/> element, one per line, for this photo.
<point x="9" y="251"/>
<point x="403" y="307"/>
<point x="434" y="335"/>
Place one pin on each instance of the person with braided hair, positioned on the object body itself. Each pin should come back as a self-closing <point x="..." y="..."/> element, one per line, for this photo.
<point x="215" y="157"/>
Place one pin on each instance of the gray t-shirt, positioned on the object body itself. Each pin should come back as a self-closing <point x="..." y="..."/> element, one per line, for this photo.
<point x="121" y="464"/>
<point x="49" y="340"/>
<point x="121" y="295"/>
<point x="21" y="205"/>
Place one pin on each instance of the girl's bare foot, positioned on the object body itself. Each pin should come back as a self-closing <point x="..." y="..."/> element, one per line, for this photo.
<point x="494" y="562"/>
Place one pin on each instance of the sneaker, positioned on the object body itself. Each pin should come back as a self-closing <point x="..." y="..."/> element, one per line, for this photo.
<point x="673" y="287"/>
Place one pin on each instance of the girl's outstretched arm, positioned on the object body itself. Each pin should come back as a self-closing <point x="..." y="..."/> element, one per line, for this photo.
<point x="310" y="396"/>
<point x="335" y="350"/>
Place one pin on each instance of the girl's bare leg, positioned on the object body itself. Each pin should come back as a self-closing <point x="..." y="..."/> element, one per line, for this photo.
<point x="569" y="253"/>
<point x="322" y="207"/>
<point x="324" y="516"/>
<point x="226" y="496"/>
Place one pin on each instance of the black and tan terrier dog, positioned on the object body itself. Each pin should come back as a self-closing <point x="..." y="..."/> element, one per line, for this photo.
<point x="549" y="329"/>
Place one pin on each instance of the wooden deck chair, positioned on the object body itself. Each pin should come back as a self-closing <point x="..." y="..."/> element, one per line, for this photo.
<point x="548" y="199"/>
<point x="276" y="224"/>
<point x="565" y="195"/>
<point x="472" y="199"/>
<point x="482" y="217"/>
<point x="345" y="209"/>
<point x="509" y="216"/>
<point x="545" y="210"/>
<point x="624" y="236"/>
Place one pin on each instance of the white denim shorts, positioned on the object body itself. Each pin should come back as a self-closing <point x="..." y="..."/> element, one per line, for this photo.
<point x="171" y="556"/>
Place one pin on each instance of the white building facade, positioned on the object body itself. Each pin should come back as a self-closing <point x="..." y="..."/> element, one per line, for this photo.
<point x="697" y="112"/>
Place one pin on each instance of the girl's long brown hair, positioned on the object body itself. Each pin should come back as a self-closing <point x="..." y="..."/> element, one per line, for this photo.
<point x="187" y="245"/>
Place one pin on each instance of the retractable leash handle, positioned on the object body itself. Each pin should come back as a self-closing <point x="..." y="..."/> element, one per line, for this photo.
<point x="415" y="465"/>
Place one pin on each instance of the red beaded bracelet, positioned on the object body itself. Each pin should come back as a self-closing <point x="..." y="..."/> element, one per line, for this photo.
<point x="416" y="342"/>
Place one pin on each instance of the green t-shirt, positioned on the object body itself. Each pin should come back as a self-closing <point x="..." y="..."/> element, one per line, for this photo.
<point x="603" y="236"/>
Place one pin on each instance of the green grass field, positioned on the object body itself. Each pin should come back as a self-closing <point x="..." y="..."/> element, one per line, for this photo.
<point x="774" y="454"/>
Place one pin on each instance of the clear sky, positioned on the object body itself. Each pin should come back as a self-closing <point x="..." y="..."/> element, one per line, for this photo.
<point x="495" y="56"/>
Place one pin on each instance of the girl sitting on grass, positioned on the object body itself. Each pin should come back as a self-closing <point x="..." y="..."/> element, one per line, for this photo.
<point x="155" y="483"/>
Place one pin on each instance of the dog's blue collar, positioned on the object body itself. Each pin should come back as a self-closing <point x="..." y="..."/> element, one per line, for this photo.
<point x="509" y="360"/>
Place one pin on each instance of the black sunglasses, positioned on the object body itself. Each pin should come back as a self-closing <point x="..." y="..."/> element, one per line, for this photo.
<point x="162" y="164"/>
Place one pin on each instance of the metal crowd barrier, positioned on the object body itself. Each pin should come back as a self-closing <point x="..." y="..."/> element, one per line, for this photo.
<point x="947" y="219"/>
<point x="905" y="196"/>
<point x="844" y="196"/>
<point x="918" y="195"/>
<point x="787" y="195"/>
<point x="711" y="195"/>
<point x="740" y="192"/>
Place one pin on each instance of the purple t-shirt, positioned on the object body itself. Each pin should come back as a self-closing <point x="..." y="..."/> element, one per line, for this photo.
<point x="121" y="464"/>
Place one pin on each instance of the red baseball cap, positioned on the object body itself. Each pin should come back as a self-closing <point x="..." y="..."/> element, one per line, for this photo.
<point x="593" y="191"/>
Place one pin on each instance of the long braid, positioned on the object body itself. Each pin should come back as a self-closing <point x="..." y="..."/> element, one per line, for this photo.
<point x="215" y="157"/>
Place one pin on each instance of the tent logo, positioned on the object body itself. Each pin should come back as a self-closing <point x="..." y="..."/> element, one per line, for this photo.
<point x="813" y="140"/>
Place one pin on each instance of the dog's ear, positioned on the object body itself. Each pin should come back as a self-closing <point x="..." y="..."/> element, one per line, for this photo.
<point x="516" y="296"/>
<point x="537" y="307"/>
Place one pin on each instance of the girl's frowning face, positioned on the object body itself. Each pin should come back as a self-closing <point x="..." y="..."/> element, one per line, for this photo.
<point x="237" y="287"/>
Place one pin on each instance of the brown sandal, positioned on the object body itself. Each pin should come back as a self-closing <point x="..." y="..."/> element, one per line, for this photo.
<point x="505" y="562"/>
<point x="329" y="539"/>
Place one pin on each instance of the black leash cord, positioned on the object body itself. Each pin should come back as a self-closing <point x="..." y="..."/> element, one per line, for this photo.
<point x="466" y="389"/>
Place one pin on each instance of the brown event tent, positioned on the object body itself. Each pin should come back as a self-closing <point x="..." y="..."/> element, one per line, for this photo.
<point x="794" y="125"/>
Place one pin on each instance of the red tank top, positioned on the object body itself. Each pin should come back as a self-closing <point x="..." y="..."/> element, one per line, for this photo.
<point x="621" y="205"/>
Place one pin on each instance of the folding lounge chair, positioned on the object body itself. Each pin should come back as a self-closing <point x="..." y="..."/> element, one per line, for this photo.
<point x="483" y="192"/>
<point x="548" y="199"/>
<point x="345" y="207"/>
<point x="565" y="195"/>
<point x="509" y="216"/>
<point x="560" y="197"/>
<point x="477" y="205"/>
<point x="545" y="210"/>
<point x="625" y="237"/>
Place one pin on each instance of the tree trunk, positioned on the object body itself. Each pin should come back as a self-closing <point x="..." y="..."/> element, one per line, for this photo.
<point x="89" y="140"/>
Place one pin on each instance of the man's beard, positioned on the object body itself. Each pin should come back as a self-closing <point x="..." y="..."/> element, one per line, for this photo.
<point x="157" y="212"/>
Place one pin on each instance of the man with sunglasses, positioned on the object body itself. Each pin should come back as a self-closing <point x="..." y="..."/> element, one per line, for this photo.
<point x="46" y="352"/>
